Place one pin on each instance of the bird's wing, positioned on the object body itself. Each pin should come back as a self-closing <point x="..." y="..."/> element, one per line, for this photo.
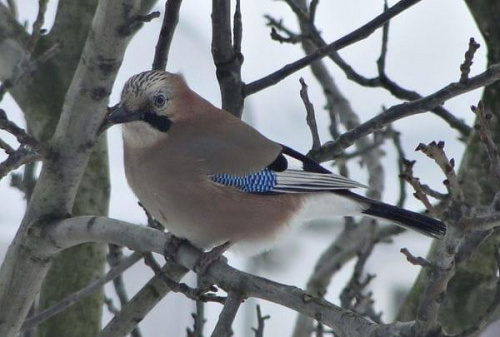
<point x="234" y="154"/>
<point x="277" y="178"/>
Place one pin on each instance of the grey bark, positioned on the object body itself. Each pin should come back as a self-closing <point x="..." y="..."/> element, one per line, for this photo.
<point x="473" y="287"/>
<point x="82" y="98"/>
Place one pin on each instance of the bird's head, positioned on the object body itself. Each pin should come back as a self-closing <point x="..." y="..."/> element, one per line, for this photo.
<point x="147" y="99"/>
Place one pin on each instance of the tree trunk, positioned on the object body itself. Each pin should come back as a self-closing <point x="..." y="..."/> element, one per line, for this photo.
<point x="472" y="289"/>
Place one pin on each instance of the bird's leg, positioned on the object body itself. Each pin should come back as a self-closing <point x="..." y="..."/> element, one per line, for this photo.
<point x="207" y="258"/>
<point x="171" y="247"/>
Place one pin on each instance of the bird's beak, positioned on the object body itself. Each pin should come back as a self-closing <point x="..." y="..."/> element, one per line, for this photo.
<point x="117" y="115"/>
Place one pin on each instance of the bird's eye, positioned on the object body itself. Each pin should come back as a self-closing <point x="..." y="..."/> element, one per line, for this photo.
<point x="160" y="100"/>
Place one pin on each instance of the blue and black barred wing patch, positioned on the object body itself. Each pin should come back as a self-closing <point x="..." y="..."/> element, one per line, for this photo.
<point x="288" y="181"/>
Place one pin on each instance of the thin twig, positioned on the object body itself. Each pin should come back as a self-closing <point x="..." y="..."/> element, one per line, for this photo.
<point x="415" y="260"/>
<point x="22" y="137"/>
<point x="352" y="296"/>
<point x="382" y="80"/>
<point x="435" y="151"/>
<point x="32" y="322"/>
<point x="311" y="118"/>
<point x="17" y="159"/>
<point x="469" y="56"/>
<point x="199" y="316"/>
<point x="385" y="40"/>
<point x="483" y="128"/>
<point x="396" y="140"/>
<point x="182" y="288"/>
<point x="227" y="315"/>
<point x="37" y="25"/>
<point x="237" y="29"/>
<point x="277" y="25"/>
<point x="353" y="37"/>
<point x="259" y="330"/>
<point x="170" y="20"/>
<point x="420" y="194"/>
<point x="312" y="10"/>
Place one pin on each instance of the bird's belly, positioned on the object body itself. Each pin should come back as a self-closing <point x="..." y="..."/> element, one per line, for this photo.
<point x="208" y="215"/>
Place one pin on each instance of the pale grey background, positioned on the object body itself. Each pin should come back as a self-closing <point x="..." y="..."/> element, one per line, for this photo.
<point x="425" y="50"/>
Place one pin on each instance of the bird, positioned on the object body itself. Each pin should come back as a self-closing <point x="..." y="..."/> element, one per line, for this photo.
<point x="210" y="178"/>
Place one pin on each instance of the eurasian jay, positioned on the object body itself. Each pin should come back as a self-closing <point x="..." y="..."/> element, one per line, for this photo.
<point x="210" y="178"/>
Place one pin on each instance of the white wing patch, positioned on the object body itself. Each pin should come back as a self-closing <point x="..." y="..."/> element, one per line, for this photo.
<point x="297" y="181"/>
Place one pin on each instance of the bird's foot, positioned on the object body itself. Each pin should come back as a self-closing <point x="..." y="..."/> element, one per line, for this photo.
<point x="207" y="258"/>
<point x="171" y="247"/>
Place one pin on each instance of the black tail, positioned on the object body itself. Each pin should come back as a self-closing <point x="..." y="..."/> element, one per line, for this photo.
<point x="407" y="219"/>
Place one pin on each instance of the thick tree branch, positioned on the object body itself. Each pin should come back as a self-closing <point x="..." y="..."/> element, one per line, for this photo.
<point x="25" y="264"/>
<point x="87" y="228"/>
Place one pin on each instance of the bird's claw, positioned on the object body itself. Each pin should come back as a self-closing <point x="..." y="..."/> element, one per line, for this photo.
<point x="207" y="258"/>
<point x="171" y="247"/>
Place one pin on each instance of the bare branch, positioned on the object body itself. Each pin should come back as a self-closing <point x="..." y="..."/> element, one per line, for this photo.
<point x="227" y="315"/>
<point x="469" y="56"/>
<point x="355" y="36"/>
<point x="435" y="151"/>
<point x="22" y="137"/>
<point x="198" y="317"/>
<point x="115" y="257"/>
<point x="311" y="118"/>
<point x="382" y="80"/>
<point x="259" y="330"/>
<point x="277" y="25"/>
<point x="484" y="131"/>
<point x="331" y="149"/>
<point x="170" y="20"/>
<point x="396" y="139"/>
<point x="75" y="230"/>
<point x="353" y="296"/>
<point x="415" y="260"/>
<point x="114" y="272"/>
<point x="227" y="57"/>
<point x="17" y="159"/>
<point x="176" y="287"/>
<point x="415" y="183"/>
<point x="37" y="25"/>
<point x="481" y="223"/>
<point x="142" y="303"/>
<point x="312" y="10"/>
<point x="237" y="29"/>
<point x="6" y="147"/>
<point x="26" y="263"/>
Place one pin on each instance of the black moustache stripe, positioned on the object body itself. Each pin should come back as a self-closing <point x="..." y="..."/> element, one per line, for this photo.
<point x="159" y="122"/>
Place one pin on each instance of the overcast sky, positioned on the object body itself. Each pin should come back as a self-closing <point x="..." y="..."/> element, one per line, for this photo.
<point x="426" y="47"/>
